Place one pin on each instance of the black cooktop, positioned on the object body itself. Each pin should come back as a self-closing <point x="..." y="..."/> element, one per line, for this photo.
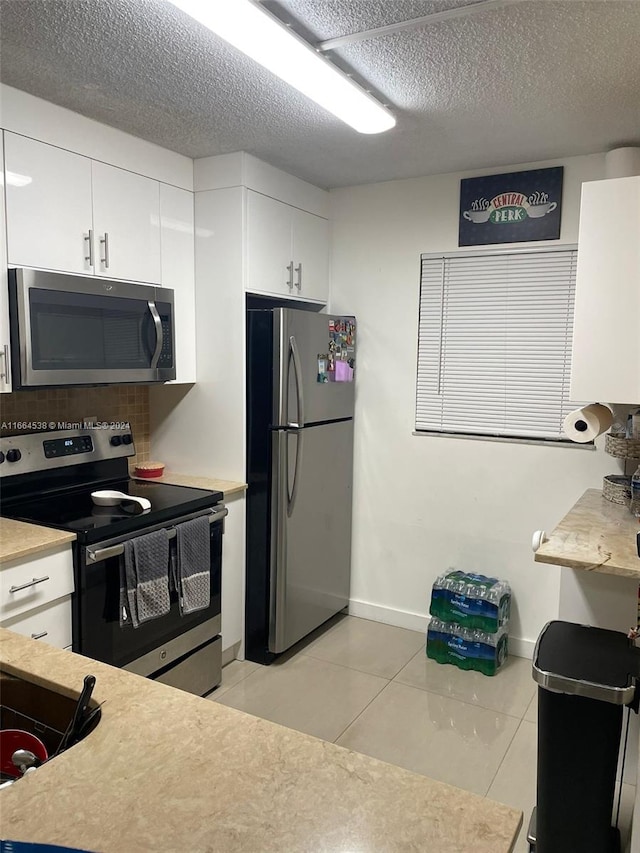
<point x="74" y="510"/>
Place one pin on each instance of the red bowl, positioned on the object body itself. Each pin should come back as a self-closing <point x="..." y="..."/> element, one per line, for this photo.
<point x="149" y="473"/>
<point x="13" y="739"/>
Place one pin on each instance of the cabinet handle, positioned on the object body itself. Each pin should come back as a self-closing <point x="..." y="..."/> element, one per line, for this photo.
<point x="40" y="635"/>
<point x="290" y="279"/>
<point x="5" y="376"/>
<point x="299" y="281"/>
<point x="89" y="240"/>
<point x="104" y="241"/>
<point x="30" y="583"/>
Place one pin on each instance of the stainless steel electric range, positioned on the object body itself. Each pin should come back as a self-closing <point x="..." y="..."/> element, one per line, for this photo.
<point x="47" y="478"/>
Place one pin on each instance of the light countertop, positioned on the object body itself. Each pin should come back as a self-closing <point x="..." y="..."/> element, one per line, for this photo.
<point x="595" y="535"/>
<point x="18" y="539"/>
<point x="167" y="771"/>
<point x="229" y="487"/>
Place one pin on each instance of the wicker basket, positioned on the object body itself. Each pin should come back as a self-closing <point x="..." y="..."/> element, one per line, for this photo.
<point x="617" y="489"/>
<point x="622" y="448"/>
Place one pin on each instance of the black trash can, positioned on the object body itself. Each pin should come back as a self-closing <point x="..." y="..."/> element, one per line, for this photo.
<point x="585" y="676"/>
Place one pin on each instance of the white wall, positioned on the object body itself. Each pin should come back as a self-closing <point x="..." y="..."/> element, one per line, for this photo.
<point x="421" y="503"/>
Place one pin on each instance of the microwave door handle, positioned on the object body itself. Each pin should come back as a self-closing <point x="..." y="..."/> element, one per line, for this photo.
<point x="157" y="322"/>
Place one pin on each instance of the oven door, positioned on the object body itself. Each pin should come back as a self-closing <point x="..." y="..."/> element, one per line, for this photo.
<point x="73" y="330"/>
<point x="154" y="644"/>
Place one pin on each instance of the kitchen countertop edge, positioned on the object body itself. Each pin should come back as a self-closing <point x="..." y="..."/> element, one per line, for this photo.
<point x="596" y="535"/>
<point x="196" y="481"/>
<point x="18" y="539"/>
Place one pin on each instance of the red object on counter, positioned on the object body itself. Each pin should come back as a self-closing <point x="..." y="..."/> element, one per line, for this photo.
<point x="149" y="469"/>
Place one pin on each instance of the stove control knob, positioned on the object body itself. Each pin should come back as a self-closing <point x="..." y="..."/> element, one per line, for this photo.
<point x="127" y="438"/>
<point x="13" y="455"/>
<point x="116" y="441"/>
<point x="1" y="457"/>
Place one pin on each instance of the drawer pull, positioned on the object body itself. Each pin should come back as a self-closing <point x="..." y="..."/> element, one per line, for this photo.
<point x="27" y="585"/>
<point x="39" y="636"/>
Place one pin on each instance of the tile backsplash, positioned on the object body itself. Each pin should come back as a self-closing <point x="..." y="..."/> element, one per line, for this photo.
<point x="71" y="405"/>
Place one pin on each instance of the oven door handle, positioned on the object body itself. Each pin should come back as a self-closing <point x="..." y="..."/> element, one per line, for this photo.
<point x="95" y="555"/>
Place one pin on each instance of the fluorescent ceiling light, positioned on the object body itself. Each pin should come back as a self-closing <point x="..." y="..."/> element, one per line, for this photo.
<point x="16" y="180"/>
<point x="260" y="36"/>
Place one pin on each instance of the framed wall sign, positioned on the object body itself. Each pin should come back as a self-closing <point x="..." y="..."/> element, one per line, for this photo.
<point x="510" y="208"/>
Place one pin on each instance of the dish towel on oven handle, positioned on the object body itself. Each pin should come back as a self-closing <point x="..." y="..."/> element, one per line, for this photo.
<point x="193" y="564"/>
<point x="144" y="579"/>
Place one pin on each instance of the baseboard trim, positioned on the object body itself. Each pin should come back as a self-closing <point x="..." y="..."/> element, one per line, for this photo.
<point x="378" y="613"/>
<point x="231" y="653"/>
<point x="419" y="622"/>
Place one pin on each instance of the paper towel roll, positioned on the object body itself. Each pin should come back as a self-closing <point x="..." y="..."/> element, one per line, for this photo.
<point x="583" y="425"/>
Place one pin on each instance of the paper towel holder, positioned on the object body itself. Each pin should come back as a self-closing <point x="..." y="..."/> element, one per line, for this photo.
<point x="538" y="538"/>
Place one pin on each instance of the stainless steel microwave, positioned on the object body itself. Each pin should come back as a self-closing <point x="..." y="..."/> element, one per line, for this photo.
<point x="76" y="330"/>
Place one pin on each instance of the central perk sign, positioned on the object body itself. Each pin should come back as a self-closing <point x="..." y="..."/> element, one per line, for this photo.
<point x="510" y="208"/>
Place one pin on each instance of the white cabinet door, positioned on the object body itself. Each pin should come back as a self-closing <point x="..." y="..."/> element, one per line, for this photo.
<point x="177" y="252"/>
<point x="5" y="375"/>
<point x="311" y="255"/>
<point x="606" y="332"/>
<point x="126" y="216"/>
<point x="269" y="249"/>
<point x="48" y="197"/>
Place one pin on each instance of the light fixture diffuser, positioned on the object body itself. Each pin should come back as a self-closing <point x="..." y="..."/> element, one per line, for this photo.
<point x="263" y="38"/>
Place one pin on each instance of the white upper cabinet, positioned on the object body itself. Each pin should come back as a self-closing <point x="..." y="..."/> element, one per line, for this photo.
<point x="126" y="217"/>
<point x="177" y="247"/>
<point x="49" y="214"/>
<point x="287" y="250"/>
<point x="5" y="375"/>
<point x="606" y="332"/>
<point x="311" y="255"/>
<point x="269" y="253"/>
<point x="66" y="212"/>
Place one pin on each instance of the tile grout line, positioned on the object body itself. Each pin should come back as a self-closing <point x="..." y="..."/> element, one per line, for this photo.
<point x="505" y="754"/>
<point x="357" y="716"/>
<point x="464" y="702"/>
<point x="355" y="669"/>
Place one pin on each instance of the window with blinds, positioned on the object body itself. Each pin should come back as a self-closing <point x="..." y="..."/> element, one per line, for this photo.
<point x="494" y="343"/>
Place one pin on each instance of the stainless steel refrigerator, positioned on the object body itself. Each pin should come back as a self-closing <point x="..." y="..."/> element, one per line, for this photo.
<point x="300" y="400"/>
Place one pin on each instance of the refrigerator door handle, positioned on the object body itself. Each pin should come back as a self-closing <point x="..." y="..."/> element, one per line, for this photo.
<point x="278" y="574"/>
<point x="291" y="495"/>
<point x="297" y="369"/>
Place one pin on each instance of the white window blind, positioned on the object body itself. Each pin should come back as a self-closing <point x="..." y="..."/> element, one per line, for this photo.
<point x="494" y="347"/>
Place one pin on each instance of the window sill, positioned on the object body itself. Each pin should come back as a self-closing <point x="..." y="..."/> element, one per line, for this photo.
<point x="509" y="439"/>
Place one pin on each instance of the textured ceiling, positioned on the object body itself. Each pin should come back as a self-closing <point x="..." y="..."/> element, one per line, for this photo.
<point x="534" y="80"/>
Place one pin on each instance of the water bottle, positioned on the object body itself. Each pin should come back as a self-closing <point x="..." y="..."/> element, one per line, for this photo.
<point x="635" y="493"/>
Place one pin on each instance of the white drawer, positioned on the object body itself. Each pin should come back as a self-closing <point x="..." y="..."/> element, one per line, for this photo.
<point x="53" y="573"/>
<point x="50" y="623"/>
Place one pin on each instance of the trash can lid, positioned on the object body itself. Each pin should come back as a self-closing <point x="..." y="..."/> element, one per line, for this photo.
<point x="585" y="661"/>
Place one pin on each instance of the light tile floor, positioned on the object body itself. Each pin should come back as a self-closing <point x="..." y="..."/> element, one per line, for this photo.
<point x="371" y="688"/>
